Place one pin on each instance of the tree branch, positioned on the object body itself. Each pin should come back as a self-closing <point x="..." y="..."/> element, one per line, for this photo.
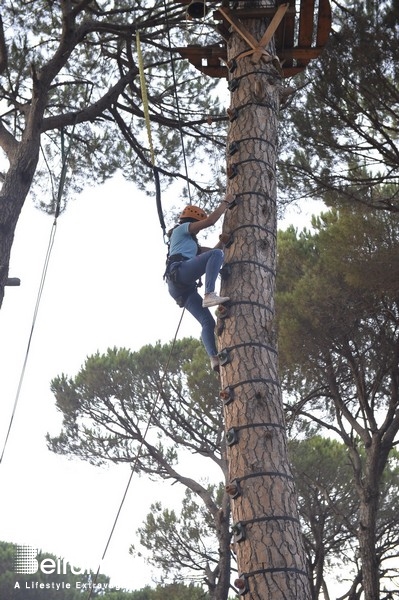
<point x="3" y="49"/>
<point x="7" y="141"/>
<point x="92" y="112"/>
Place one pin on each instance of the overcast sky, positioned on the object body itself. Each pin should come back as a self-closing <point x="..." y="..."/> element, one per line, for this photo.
<point x="103" y="289"/>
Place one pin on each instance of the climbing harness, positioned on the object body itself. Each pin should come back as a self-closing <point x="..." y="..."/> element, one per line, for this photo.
<point x="179" y="291"/>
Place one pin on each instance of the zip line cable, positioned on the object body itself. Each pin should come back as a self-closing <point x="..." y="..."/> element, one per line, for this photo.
<point x="65" y="155"/>
<point x="133" y="470"/>
<point x="35" y="313"/>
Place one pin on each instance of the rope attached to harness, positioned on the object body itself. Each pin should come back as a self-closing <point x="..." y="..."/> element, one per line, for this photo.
<point x="144" y="97"/>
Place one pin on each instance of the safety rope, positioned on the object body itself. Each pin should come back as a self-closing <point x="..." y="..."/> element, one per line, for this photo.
<point x="144" y="97"/>
<point x="61" y="185"/>
<point x="133" y="470"/>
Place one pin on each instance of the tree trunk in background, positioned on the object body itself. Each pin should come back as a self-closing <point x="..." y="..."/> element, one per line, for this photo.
<point x="15" y="188"/>
<point x="268" y="541"/>
<point x="367" y="483"/>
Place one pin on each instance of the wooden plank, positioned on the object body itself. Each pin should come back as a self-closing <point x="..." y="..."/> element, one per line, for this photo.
<point x="217" y="72"/>
<point x="187" y="2"/>
<point x="196" y="50"/>
<point x="306" y="21"/>
<point x="239" y="27"/>
<point x="324" y="23"/>
<point x="292" y="71"/>
<point x="301" y="54"/>
<point x="270" y="30"/>
<point x="294" y="54"/>
<point x="284" y="37"/>
<point x="206" y="59"/>
<point x="253" y="13"/>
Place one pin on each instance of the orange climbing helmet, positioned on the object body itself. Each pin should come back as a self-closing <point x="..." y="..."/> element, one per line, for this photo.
<point x="193" y="212"/>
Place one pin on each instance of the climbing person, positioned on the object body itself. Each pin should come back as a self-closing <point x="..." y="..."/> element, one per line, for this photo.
<point x="187" y="261"/>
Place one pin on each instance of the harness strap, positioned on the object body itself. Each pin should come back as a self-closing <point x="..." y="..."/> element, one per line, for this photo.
<point x="176" y="258"/>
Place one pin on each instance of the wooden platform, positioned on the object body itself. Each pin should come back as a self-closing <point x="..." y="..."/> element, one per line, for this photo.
<point x="300" y="37"/>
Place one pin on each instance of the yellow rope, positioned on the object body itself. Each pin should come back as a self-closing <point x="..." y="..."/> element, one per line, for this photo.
<point x="144" y="97"/>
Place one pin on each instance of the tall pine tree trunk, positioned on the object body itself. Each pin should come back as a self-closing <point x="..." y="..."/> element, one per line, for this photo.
<point x="367" y="482"/>
<point x="268" y="541"/>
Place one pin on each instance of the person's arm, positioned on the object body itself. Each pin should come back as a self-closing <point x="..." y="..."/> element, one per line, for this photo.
<point x="197" y="226"/>
<point x="224" y="238"/>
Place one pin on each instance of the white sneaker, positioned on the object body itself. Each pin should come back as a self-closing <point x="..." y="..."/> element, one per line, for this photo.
<point x="212" y="299"/>
<point x="215" y="366"/>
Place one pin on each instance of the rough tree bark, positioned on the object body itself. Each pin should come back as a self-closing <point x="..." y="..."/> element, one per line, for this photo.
<point x="268" y="541"/>
<point x="367" y="541"/>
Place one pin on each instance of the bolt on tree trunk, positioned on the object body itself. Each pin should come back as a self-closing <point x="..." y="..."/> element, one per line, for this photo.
<point x="268" y="540"/>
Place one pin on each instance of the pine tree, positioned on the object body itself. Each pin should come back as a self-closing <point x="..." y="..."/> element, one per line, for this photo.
<point x="268" y="540"/>
<point x="341" y="126"/>
<point x="338" y="340"/>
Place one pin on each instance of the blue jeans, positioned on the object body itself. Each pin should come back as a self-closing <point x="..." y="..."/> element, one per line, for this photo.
<point x="188" y="272"/>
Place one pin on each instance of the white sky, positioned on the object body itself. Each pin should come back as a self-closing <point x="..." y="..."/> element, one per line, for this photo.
<point x="104" y="288"/>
